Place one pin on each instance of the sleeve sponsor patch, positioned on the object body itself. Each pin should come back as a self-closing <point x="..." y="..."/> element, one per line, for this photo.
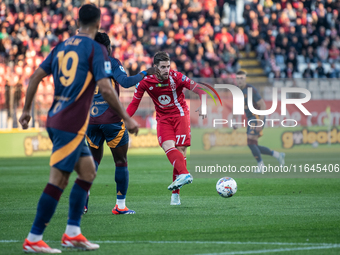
<point x="183" y="77"/>
<point x="107" y="66"/>
<point x="122" y="69"/>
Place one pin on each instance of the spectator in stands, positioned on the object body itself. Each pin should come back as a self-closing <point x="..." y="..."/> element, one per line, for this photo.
<point x="320" y="71"/>
<point x="289" y="70"/>
<point x="334" y="72"/>
<point x="308" y="73"/>
<point x="334" y="54"/>
<point x="322" y="52"/>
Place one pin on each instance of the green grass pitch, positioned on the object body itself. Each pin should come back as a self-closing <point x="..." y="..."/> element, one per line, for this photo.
<point x="266" y="216"/>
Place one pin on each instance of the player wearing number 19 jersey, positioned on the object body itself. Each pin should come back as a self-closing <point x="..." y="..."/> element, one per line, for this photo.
<point x="77" y="64"/>
<point x="172" y="115"/>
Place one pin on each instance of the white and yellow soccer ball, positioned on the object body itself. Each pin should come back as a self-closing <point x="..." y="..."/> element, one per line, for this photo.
<point x="226" y="187"/>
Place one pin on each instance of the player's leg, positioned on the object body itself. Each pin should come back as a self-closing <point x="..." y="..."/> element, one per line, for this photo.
<point x="121" y="178"/>
<point x="280" y="156"/>
<point x="65" y="153"/>
<point x="175" y="198"/>
<point x="86" y="171"/>
<point x="117" y="139"/>
<point x="95" y="138"/>
<point x="168" y="138"/>
<point x="46" y="207"/>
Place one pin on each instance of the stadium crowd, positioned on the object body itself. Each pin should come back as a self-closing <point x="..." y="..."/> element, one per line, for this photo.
<point x="283" y="33"/>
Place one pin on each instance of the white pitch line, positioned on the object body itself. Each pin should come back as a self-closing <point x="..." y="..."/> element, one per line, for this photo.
<point x="199" y="242"/>
<point x="275" y="250"/>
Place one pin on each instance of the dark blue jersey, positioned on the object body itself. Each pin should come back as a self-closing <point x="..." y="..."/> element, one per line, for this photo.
<point x="100" y="111"/>
<point x="76" y="64"/>
<point x="256" y="98"/>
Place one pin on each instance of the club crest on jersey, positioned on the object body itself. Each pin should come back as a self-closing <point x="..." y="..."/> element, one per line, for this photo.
<point x="172" y="84"/>
<point x="151" y="88"/>
<point x="164" y="99"/>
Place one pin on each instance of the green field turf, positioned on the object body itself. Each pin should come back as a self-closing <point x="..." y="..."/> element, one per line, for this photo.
<point x="266" y="216"/>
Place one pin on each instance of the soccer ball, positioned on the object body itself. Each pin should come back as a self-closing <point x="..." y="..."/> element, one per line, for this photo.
<point x="226" y="187"/>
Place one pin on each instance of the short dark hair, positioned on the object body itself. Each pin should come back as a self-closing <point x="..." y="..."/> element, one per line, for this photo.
<point x="241" y="73"/>
<point x="89" y="14"/>
<point x="160" y="56"/>
<point x="103" y="38"/>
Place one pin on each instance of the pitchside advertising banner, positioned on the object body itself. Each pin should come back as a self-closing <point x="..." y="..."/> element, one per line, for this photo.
<point x="35" y="142"/>
<point x="308" y="132"/>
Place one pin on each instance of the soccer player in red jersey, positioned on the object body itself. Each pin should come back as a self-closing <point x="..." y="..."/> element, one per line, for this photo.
<point x="172" y="115"/>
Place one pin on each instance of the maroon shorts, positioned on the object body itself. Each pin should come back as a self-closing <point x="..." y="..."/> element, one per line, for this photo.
<point x="174" y="128"/>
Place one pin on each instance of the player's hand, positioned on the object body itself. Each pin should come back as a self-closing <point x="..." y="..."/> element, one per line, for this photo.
<point x="153" y="70"/>
<point x="25" y="119"/>
<point x="132" y="126"/>
<point x="235" y="127"/>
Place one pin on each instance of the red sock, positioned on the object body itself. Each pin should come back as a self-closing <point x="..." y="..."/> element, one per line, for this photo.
<point x="177" y="160"/>
<point x="174" y="176"/>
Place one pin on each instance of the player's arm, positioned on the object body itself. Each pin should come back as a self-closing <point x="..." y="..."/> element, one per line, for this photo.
<point x="137" y="97"/>
<point x="102" y="72"/>
<point x="262" y="105"/>
<point x="33" y="84"/>
<point x="191" y="85"/>
<point x="121" y="77"/>
<point x="111" y="97"/>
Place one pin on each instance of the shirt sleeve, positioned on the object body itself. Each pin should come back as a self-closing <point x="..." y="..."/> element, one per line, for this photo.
<point x="46" y="65"/>
<point x="186" y="82"/>
<point x="256" y="95"/>
<point x="120" y="75"/>
<point x="137" y="97"/>
<point x="101" y="64"/>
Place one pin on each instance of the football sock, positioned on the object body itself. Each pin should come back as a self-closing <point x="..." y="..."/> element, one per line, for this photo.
<point x="174" y="176"/>
<point x="177" y="160"/>
<point x="34" y="238"/>
<point x="260" y="165"/>
<point x="276" y="154"/>
<point x="252" y="144"/>
<point x="77" y="199"/>
<point x="46" y="207"/>
<point x="120" y="202"/>
<point x="265" y="150"/>
<point x="122" y="183"/>
<point x="72" y="230"/>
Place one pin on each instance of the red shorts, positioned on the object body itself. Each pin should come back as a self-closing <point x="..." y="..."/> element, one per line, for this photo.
<point x="174" y="128"/>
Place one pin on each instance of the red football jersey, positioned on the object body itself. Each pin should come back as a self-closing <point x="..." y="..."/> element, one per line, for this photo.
<point x="167" y="95"/>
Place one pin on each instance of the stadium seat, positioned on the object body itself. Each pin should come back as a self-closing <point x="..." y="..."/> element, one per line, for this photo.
<point x="326" y="67"/>
<point x="297" y="75"/>
<point x="302" y="67"/>
<point x="300" y="59"/>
